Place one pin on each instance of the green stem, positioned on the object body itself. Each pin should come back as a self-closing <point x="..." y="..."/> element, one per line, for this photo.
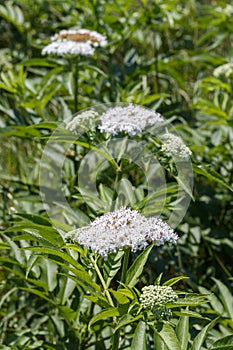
<point x="115" y="340"/>
<point x="116" y="335"/>
<point x="125" y="265"/>
<point x="106" y="292"/>
<point x="76" y="77"/>
<point x="118" y="177"/>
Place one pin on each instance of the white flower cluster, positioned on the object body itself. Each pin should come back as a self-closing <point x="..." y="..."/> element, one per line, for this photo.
<point x="153" y="297"/>
<point x="175" y="147"/>
<point x="123" y="228"/>
<point x="74" y="42"/>
<point x="82" y="122"/>
<point x="225" y="69"/>
<point x="130" y="119"/>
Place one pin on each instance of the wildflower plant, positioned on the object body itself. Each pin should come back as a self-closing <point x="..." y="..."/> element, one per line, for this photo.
<point x="73" y="44"/>
<point x="112" y="244"/>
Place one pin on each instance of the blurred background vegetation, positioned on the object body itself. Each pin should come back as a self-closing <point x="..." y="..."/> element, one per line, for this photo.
<point x="173" y="56"/>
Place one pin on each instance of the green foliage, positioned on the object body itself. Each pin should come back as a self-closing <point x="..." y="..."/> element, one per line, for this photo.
<point x="173" y="57"/>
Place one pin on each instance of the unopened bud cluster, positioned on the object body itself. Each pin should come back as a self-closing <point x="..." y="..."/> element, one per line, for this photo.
<point x="162" y="313"/>
<point x="174" y="147"/>
<point x="82" y="122"/>
<point x="154" y="297"/>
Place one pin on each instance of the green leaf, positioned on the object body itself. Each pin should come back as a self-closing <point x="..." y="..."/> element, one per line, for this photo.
<point x="174" y="280"/>
<point x="213" y="300"/>
<point x="189" y="314"/>
<point x="42" y="62"/>
<point x="96" y="69"/>
<point x="84" y="280"/>
<point x="55" y="252"/>
<point x="48" y="273"/>
<point x="112" y="266"/>
<point x="67" y="312"/>
<point x="211" y="175"/>
<point x="139" y="338"/>
<point x="169" y="337"/>
<point x="182" y="332"/>
<point x="188" y="301"/>
<point x="125" y="190"/>
<point x="119" y="296"/>
<point x="183" y="181"/>
<point x="225" y="343"/>
<point x="136" y="269"/>
<point x="48" y="234"/>
<point x="200" y="338"/>
<point x="14" y="15"/>
<point x="39" y="294"/>
<point x="226" y="297"/>
<point x="36" y="219"/>
<point x="8" y="88"/>
<point x="158" y="342"/>
<point x="107" y="313"/>
<point x="66" y="288"/>
<point x="19" y="254"/>
<point x="125" y="320"/>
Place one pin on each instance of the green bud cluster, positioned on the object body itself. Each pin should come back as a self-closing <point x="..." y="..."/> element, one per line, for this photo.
<point x="162" y="313"/>
<point x="154" y="297"/>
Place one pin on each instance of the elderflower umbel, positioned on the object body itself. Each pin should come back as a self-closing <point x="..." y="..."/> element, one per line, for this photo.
<point x="174" y="146"/>
<point x="83" y="121"/>
<point x="131" y="119"/>
<point x="155" y="297"/>
<point x="123" y="228"/>
<point x="74" y="42"/>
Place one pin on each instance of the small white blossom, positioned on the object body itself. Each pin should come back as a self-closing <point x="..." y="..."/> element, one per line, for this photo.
<point x="123" y="228"/>
<point x="75" y="42"/>
<point x="131" y="119"/>
<point x="175" y="147"/>
<point x="155" y="296"/>
<point x="82" y="122"/>
<point x="225" y="69"/>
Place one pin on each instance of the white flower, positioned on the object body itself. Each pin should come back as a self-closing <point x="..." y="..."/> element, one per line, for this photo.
<point x="131" y="119"/>
<point x="123" y="228"/>
<point x="153" y="297"/>
<point x="175" y="147"/>
<point x="82" y="122"/>
<point x="225" y="69"/>
<point x="74" y="42"/>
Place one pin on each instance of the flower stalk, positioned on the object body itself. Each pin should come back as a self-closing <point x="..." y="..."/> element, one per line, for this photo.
<point x="75" y="79"/>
